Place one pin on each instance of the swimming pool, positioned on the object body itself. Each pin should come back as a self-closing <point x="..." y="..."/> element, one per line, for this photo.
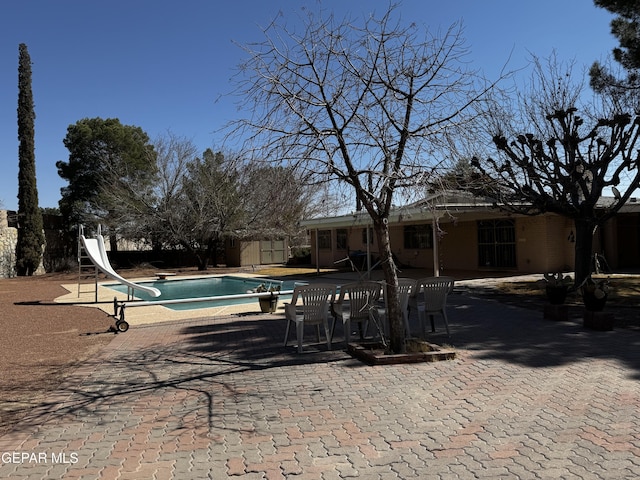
<point x="183" y="290"/>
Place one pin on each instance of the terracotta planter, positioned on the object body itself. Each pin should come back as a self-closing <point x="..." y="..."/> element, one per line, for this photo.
<point x="598" y="320"/>
<point x="268" y="304"/>
<point x="593" y="303"/>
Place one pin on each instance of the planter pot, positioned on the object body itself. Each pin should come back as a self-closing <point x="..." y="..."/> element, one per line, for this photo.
<point x="593" y="303"/>
<point x="268" y="304"/>
<point x="598" y="321"/>
<point x="557" y="294"/>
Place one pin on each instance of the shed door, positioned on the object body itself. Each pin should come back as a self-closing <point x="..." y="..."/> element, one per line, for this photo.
<point x="273" y="251"/>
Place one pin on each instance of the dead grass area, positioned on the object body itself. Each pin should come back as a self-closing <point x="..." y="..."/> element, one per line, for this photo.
<point x="276" y="271"/>
<point x="624" y="290"/>
<point x="623" y="299"/>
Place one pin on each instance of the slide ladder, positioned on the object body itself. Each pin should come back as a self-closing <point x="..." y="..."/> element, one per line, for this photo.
<point x="86" y="270"/>
<point x="94" y="250"/>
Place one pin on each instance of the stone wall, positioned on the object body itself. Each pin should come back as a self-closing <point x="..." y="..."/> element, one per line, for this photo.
<point x="8" y="239"/>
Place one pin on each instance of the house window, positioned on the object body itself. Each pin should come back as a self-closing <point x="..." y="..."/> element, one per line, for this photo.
<point x="341" y="239"/>
<point x="324" y="239"/>
<point x="497" y="243"/>
<point x="364" y="236"/>
<point x="418" y="236"/>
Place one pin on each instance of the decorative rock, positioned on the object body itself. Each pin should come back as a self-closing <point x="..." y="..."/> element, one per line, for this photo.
<point x="8" y="242"/>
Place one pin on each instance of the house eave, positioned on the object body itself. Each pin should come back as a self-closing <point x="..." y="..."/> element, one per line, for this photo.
<point x="400" y="215"/>
<point x="427" y="212"/>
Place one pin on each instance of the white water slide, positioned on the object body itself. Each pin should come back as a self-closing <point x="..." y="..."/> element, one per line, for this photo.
<point x="98" y="256"/>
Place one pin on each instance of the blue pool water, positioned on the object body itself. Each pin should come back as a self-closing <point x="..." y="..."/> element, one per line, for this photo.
<point x="203" y="288"/>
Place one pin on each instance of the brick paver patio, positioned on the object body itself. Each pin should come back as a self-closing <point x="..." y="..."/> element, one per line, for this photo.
<point x="222" y="398"/>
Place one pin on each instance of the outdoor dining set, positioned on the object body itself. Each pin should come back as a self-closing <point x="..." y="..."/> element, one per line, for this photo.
<point x="363" y="304"/>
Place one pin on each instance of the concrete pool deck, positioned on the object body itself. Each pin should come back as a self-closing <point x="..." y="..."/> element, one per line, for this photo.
<point x="155" y="314"/>
<point x="152" y="313"/>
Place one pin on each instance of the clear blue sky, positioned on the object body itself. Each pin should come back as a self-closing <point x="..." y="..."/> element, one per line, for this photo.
<point x="167" y="64"/>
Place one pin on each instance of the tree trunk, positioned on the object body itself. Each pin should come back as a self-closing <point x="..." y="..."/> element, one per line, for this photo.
<point x="583" y="249"/>
<point x="202" y="261"/>
<point x="202" y="258"/>
<point x="213" y="253"/>
<point x="215" y="249"/>
<point x="394" y="314"/>
<point x="113" y="242"/>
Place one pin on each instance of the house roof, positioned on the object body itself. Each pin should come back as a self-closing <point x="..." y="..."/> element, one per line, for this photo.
<point x="449" y="203"/>
<point x="444" y="204"/>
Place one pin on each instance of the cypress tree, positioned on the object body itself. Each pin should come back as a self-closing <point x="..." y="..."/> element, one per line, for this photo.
<point x="30" y="226"/>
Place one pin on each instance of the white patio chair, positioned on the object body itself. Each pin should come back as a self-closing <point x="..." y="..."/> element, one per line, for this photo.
<point x="434" y="300"/>
<point x="314" y="310"/>
<point x="406" y="289"/>
<point x="354" y="305"/>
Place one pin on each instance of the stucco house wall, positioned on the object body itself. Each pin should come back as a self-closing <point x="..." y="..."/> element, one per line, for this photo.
<point x="454" y="251"/>
<point x="542" y="243"/>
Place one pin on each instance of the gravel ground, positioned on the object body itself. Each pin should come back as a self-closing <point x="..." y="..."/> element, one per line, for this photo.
<point x="41" y="340"/>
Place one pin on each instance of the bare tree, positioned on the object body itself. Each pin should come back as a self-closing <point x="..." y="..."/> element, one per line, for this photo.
<point x="274" y="201"/>
<point x="179" y="209"/>
<point x="175" y="153"/>
<point x="551" y="158"/>
<point x="373" y="104"/>
<point x="198" y="201"/>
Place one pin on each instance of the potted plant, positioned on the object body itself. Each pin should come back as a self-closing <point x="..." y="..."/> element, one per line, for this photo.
<point x="557" y="286"/>
<point x="270" y="303"/>
<point x="595" y="293"/>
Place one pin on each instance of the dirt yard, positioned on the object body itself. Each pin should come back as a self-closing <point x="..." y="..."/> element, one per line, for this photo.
<point x="41" y="340"/>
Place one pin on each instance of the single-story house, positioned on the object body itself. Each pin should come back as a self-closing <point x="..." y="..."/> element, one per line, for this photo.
<point x="456" y="231"/>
